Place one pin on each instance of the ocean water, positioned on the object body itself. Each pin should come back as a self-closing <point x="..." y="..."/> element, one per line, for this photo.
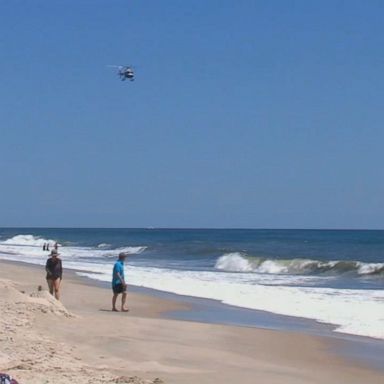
<point x="331" y="276"/>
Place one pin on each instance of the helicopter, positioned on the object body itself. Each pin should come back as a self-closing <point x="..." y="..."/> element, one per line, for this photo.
<point x="125" y="72"/>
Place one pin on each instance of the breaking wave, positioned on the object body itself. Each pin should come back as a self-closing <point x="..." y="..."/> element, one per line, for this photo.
<point x="27" y="240"/>
<point x="238" y="262"/>
<point x="104" y="246"/>
<point x="30" y="246"/>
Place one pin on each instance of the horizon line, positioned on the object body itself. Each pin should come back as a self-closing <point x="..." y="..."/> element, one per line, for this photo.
<point x="201" y="228"/>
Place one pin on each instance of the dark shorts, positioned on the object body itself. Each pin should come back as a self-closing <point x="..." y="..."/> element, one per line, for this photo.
<point x="119" y="288"/>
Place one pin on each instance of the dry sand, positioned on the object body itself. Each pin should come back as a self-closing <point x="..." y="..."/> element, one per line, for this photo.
<point x="81" y="341"/>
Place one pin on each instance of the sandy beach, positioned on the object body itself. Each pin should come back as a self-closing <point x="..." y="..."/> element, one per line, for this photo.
<point x="80" y="340"/>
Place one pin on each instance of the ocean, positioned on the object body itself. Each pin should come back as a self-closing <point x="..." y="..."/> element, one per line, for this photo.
<point x="335" y="277"/>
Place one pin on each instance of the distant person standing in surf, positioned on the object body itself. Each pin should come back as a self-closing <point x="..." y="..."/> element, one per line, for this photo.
<point x="118" y="283"/>
<point x="54" y="270"/>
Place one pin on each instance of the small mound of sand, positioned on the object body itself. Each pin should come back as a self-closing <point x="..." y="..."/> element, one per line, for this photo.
<point x="38" y="301"/>
<point x="45" y="302"/>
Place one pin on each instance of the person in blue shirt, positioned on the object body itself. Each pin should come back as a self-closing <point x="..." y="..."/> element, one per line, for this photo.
<point x="118" y="283"/>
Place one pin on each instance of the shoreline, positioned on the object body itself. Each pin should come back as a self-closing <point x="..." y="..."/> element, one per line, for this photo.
<point x="252" y="318"/>
<point x="179" y="356"/>
<point x="360" y="349"/>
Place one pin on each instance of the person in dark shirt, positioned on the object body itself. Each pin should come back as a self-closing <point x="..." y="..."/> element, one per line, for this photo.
<point x="54" y="270"/>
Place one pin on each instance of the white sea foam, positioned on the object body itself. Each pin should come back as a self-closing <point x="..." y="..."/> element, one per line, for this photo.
<point x="131" y="250"/>
<point x="104" y="245"/>
<point x="369" y="269"/>
<point x="30" y="249"/>
<point x="27" y="240"/>
<point x="359" y="312"/>
<point x="234" y="262"/>
<point x="238" y="262"/>
<point x="271" y="266"/>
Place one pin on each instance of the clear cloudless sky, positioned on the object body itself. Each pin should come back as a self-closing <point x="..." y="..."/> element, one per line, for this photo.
<point x="243" y="114"/>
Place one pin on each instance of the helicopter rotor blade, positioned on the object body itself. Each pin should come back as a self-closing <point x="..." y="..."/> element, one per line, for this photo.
<point x="115" y="66"/>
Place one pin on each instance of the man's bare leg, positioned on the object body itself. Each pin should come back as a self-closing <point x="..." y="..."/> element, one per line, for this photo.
<point x="114" y="297"/>
<point x="123" y="300"/>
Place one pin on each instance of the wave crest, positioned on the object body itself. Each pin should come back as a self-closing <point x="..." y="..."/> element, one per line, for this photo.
<point x="238" y="262"/>
<point x="132" y="250"/>
<point x="104" y="246"/>
<point x="27" y="240"/>
<point x="233" y="262"/>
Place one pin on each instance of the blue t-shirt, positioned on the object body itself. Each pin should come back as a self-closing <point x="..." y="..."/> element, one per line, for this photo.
<point x="118" y="268"/>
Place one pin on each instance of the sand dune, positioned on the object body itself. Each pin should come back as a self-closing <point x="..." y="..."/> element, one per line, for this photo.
<point x="31" y="356"/>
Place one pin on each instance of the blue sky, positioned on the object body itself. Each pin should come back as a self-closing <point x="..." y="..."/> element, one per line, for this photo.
<point x="257" y="114"/>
